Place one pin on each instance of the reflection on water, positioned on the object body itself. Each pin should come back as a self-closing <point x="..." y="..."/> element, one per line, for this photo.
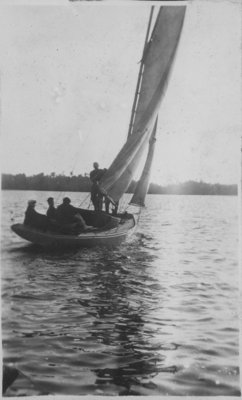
<point x="116" y="294"/>
<point x="156" y="316"/>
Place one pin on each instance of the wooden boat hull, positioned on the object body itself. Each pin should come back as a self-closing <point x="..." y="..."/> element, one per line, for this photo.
<point x="109" y="237"/>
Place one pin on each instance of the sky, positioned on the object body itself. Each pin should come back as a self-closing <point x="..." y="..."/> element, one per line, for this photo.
<point x="68" y="76"/>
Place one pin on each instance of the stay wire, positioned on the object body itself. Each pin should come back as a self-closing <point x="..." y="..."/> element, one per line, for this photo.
<point x="71" y="173"/>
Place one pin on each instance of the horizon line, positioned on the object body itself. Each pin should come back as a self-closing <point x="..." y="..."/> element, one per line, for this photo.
<point x="85" y="174"/>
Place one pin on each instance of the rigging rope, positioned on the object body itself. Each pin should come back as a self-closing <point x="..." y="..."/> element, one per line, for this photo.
<point x="63" y="193"/>
<point x="85" y="199"/>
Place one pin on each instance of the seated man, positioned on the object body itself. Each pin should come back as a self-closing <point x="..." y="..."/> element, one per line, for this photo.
<point x="51" y="212"/>
<point x="33" y="218"/>
<point x="70" y="219"/>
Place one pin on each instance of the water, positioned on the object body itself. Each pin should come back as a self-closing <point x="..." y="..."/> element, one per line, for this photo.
<point x="156" y="316"/>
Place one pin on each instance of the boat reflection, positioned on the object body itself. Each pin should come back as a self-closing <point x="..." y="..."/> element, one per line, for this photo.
<point x="121" y="307"/>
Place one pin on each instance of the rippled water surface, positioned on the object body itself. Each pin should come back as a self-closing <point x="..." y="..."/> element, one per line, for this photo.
<point x="156" y="316"/>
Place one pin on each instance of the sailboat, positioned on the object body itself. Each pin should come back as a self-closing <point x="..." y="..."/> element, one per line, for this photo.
<point x="160" y="47"/>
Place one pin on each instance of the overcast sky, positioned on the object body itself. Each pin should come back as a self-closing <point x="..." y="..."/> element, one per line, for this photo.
<point x="68" y="78"/>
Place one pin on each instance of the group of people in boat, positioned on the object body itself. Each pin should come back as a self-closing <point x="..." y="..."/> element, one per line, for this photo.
<point x="64" y="219"/>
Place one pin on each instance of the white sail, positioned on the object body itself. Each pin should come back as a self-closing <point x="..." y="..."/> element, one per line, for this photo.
<point x="158" y="59"/>
<point x="142" y="186"/>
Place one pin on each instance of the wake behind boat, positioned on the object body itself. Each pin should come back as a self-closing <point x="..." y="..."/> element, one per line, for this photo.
<point x="156" y="64"/>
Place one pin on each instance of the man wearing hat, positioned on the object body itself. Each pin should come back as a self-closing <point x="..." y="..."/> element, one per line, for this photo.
<point x="30" y="213"/>
<point x="33" y="218"/>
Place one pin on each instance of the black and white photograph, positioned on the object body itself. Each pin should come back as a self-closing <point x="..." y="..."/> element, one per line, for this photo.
<point x="121" y="198"/>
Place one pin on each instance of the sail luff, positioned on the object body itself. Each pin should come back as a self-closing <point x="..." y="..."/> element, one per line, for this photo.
<point x="119" y="175"/>
<point x="158" y="59"/>
<point x="132" y="150"/>
<point x="142" y="186"/>
<point x="140" y="75"/>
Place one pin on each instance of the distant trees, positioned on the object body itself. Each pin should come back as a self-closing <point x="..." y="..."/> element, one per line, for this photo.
<point x="82" y="183"/>
<point x="50" y="182"/>
<point x="193" y="187"/>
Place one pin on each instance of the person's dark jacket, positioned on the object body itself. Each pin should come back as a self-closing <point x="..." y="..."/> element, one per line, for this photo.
<point x="51" y="213"/>
<point x="96" y="175"/>
<point x="65" y="213"/>
<point x="34" y="219"/>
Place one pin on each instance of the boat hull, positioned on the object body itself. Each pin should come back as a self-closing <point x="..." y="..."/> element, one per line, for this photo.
<point x="110" y="237"/>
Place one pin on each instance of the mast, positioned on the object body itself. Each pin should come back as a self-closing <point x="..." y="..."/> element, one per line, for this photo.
<point x="158" y="59"/>
<point x="141" y="70"/>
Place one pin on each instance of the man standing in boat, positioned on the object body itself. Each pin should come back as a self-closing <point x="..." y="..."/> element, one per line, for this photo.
<point x="96" y="196"/>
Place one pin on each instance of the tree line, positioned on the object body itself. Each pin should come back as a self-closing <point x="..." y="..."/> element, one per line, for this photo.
<point x="82" y="183"/>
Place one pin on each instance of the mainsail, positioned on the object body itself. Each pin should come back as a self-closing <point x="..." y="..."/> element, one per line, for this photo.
<point x="158" y="58"/>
